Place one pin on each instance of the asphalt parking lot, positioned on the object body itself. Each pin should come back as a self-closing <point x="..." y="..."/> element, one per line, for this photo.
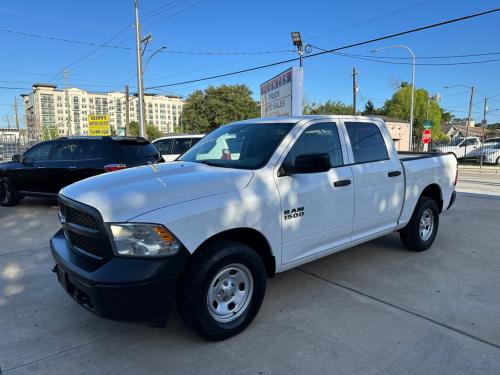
<point x="373" y="309"/>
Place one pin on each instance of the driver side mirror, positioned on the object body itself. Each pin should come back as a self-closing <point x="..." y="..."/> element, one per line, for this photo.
<point x="16" y="158"/>
<point x="309" y="163"/>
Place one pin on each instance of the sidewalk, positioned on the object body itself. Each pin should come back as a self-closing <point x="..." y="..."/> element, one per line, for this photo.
<point x="488" y="168"/>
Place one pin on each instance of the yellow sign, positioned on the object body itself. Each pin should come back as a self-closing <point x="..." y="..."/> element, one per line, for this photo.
<point x="99" y="125"/>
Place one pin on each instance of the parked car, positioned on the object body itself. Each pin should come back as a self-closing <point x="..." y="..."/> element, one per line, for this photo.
<point x="251" y="199"/>
<point x="461" y="147"/>
<point x="47" y="167"/>
<point x="172" y="146"/>
<point x="490" y="153"/>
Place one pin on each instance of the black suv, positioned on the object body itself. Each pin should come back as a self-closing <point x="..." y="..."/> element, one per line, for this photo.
<point x="49" y="166"/>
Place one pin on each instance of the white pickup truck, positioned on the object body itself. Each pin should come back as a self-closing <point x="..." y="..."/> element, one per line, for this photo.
<point x="251" y="199"/>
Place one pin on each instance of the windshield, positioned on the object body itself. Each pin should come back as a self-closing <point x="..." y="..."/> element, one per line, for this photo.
<point x="242" y="146"/>
<point x="456" y="141"/>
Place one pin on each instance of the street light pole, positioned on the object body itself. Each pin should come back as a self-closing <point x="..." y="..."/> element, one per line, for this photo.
<point x="412" y="85"/>
<point x="140" y="85"/>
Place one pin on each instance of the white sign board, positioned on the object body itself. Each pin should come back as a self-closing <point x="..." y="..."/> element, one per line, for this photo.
<point x="282" y="95"/>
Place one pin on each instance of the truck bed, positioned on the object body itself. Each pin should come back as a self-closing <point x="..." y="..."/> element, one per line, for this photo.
<point x="422" y="169"/>
<point x="408" y="155"/>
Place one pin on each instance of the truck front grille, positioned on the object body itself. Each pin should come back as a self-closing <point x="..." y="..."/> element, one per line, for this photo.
<point x="84" y="230"/>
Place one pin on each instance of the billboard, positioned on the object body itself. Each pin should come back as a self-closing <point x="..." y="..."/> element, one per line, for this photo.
<point x="282" y="95"/>
<point x="99" y="125"/>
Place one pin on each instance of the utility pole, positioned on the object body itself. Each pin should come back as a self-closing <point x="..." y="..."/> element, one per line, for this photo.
<point x="484" y="111"/>
<point x="140" y="86"/>
<point x="17" y="116"/>
<point x="469" y="118"/>
<point x="127" y="112"/>
<point x="354" y="90"/>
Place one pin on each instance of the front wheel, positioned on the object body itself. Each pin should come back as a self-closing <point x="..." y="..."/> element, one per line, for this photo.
<point x="421" y="230"/>
<point x="8" y="193"/>
<point x="222" y="289"/>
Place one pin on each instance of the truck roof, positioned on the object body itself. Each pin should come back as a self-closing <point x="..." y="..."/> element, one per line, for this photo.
<point x="295" y="119"/>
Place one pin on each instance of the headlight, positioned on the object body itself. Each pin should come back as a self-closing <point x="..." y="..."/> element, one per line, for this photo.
<point x="144" y="240"/>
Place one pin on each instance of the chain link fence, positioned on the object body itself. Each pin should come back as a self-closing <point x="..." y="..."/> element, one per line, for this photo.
<point x="471" y="150"/>
<point x="10" y="146"/>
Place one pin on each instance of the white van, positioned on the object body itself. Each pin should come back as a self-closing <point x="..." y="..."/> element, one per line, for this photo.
<point x="172" y="146"/>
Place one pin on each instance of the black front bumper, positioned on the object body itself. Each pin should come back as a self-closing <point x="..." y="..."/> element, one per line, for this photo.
<point x="121" y="288"/>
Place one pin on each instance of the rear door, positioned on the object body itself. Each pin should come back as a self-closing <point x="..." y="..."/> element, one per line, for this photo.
<point x="63" y="169"/>
<point x="317" y="215"/>
<point x="88" y="160"/>
<point x="378" y="178"/>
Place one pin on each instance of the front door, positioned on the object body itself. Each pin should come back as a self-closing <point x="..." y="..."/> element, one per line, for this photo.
<point x="317" y="208"/>
<point x="31" y="175"/>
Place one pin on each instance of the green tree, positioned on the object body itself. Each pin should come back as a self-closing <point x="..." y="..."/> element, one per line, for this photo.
<point x="399" y="107"/>
<point x="328" y="108"/>
<point x="152" y="132"/>
<point x="371" y="110"/>
<point x="208" y="109"/>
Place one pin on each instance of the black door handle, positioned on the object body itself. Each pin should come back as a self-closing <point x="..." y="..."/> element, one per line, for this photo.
<point x="342" y="183"/>
<point x="394" y="173"/>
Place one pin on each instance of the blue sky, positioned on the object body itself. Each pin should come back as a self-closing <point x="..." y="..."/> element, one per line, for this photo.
<point x="257" y="26"/>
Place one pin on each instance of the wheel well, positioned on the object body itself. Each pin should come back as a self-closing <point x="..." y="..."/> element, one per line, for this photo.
<point x="434" y="191"/>
<point x="251" y="238"/>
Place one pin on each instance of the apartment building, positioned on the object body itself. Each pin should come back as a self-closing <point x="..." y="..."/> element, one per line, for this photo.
<point x="62" y="112"/>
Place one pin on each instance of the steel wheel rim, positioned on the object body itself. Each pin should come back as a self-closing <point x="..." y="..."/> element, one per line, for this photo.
<point x="426" y="226"/>
<point x="230" y="293"/>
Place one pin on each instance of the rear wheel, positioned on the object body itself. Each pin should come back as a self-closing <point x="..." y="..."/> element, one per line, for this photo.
<point x="498" y="160"/>
<point x="222" y="289"/>
<point x="421" y="230"/>
<point x="8" y="193"/>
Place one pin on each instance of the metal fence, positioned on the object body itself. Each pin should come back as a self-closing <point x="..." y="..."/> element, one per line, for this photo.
<point x="471" y="151"/>
<point x="10" y="146"/>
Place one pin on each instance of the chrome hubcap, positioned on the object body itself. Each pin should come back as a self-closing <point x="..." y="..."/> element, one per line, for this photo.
<point x="230" y="293"/>
<point x="426" y="224"/>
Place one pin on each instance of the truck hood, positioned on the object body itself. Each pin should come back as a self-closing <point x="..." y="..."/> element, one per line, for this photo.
<point x="122" y="195"/>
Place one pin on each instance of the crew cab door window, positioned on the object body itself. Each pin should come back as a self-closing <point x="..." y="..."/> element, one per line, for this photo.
<point x="164" y="146"/>
<point x="367" y="142"/>
<point x="181" y="145"/>
<point x="316" y="215"/>
<point x="378" y="196"/>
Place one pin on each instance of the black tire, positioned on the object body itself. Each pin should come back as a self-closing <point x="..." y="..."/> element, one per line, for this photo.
<point x="8" y="193"/>
<point x="196" y="283"/>
<point x="411" y="236"/>
<point x="498" y="160"/>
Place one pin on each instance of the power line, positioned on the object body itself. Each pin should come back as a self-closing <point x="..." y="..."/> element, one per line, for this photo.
<point x="92" y="44"/>
<point x="416" y="58"/>
<point x="162" y="9"/>
<point x="378" y="60"/>
<point x="13" y="88"/>
<point x="176" y="13"/>
<point x="222" y="53"/>
<point x="111" y="46"/>
<point x="390" y="36"/>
